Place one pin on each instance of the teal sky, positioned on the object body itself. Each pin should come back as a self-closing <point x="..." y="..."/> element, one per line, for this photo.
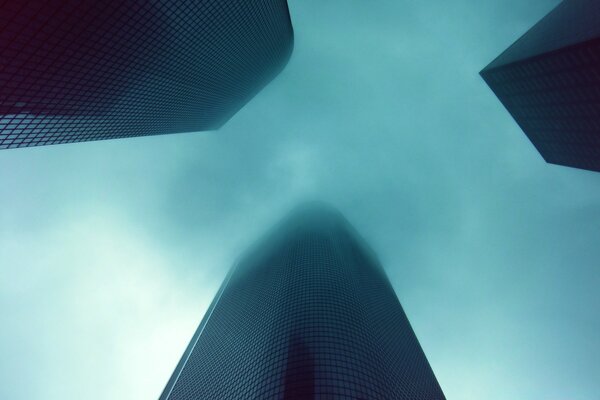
<point x="110" y="252"/>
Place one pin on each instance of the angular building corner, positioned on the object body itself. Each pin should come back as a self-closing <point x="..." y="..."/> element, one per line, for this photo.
<point x="549" y="81"/>
<point x="307" y="313"/>
<point x="77" y="71"/>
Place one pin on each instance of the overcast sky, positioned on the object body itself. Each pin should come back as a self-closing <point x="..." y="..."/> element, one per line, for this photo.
<point x="110" y="252"/>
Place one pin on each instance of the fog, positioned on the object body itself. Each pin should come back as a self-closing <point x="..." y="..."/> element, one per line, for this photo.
<point x="110" y="252"/>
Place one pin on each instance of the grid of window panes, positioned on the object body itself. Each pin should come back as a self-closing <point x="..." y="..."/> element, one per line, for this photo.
<point x="308" y="314"/>
<point x="75" y="71"/>
<point x="569" y="23"/>
<point x="555" y="98"/>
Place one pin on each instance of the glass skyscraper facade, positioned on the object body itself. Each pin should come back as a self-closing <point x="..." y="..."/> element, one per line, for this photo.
<point x="75" y="70"/>
<point x="549" y="81"/>
<point x="308" y="313"/>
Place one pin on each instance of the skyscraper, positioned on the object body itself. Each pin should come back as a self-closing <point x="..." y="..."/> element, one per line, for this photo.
<point x="308" y="313"/>
<point x="75" y="70"/>
<point x="549" y="81"/>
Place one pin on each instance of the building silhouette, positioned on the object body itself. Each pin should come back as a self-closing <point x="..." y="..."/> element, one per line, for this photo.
<point x="308" y="313"/>
<point x="549" y="81"/>
<point x="75" y="71"/>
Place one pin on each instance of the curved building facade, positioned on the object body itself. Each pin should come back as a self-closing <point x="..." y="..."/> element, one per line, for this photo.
<point x="75" y="70"/>
<point x="307" y="314"/>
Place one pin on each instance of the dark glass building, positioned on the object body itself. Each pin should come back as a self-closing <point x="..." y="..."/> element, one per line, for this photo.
<point x="308" y="313"/>
<point x="76" y="70"/>
<point x="549" y="80"/>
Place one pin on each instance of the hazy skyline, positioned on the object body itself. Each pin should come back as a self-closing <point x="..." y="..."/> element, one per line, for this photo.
<point x="111" y="251"/>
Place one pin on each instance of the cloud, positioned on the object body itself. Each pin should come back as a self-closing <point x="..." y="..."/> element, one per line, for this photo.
<point x="94" y="311"/>
<point x="111" y="251"/>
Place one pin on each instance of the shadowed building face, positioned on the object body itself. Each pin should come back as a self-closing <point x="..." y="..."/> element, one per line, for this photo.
<point x="549" y="81"/>
<point x="307" y="314"/>
<point x="80" y="70"/>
